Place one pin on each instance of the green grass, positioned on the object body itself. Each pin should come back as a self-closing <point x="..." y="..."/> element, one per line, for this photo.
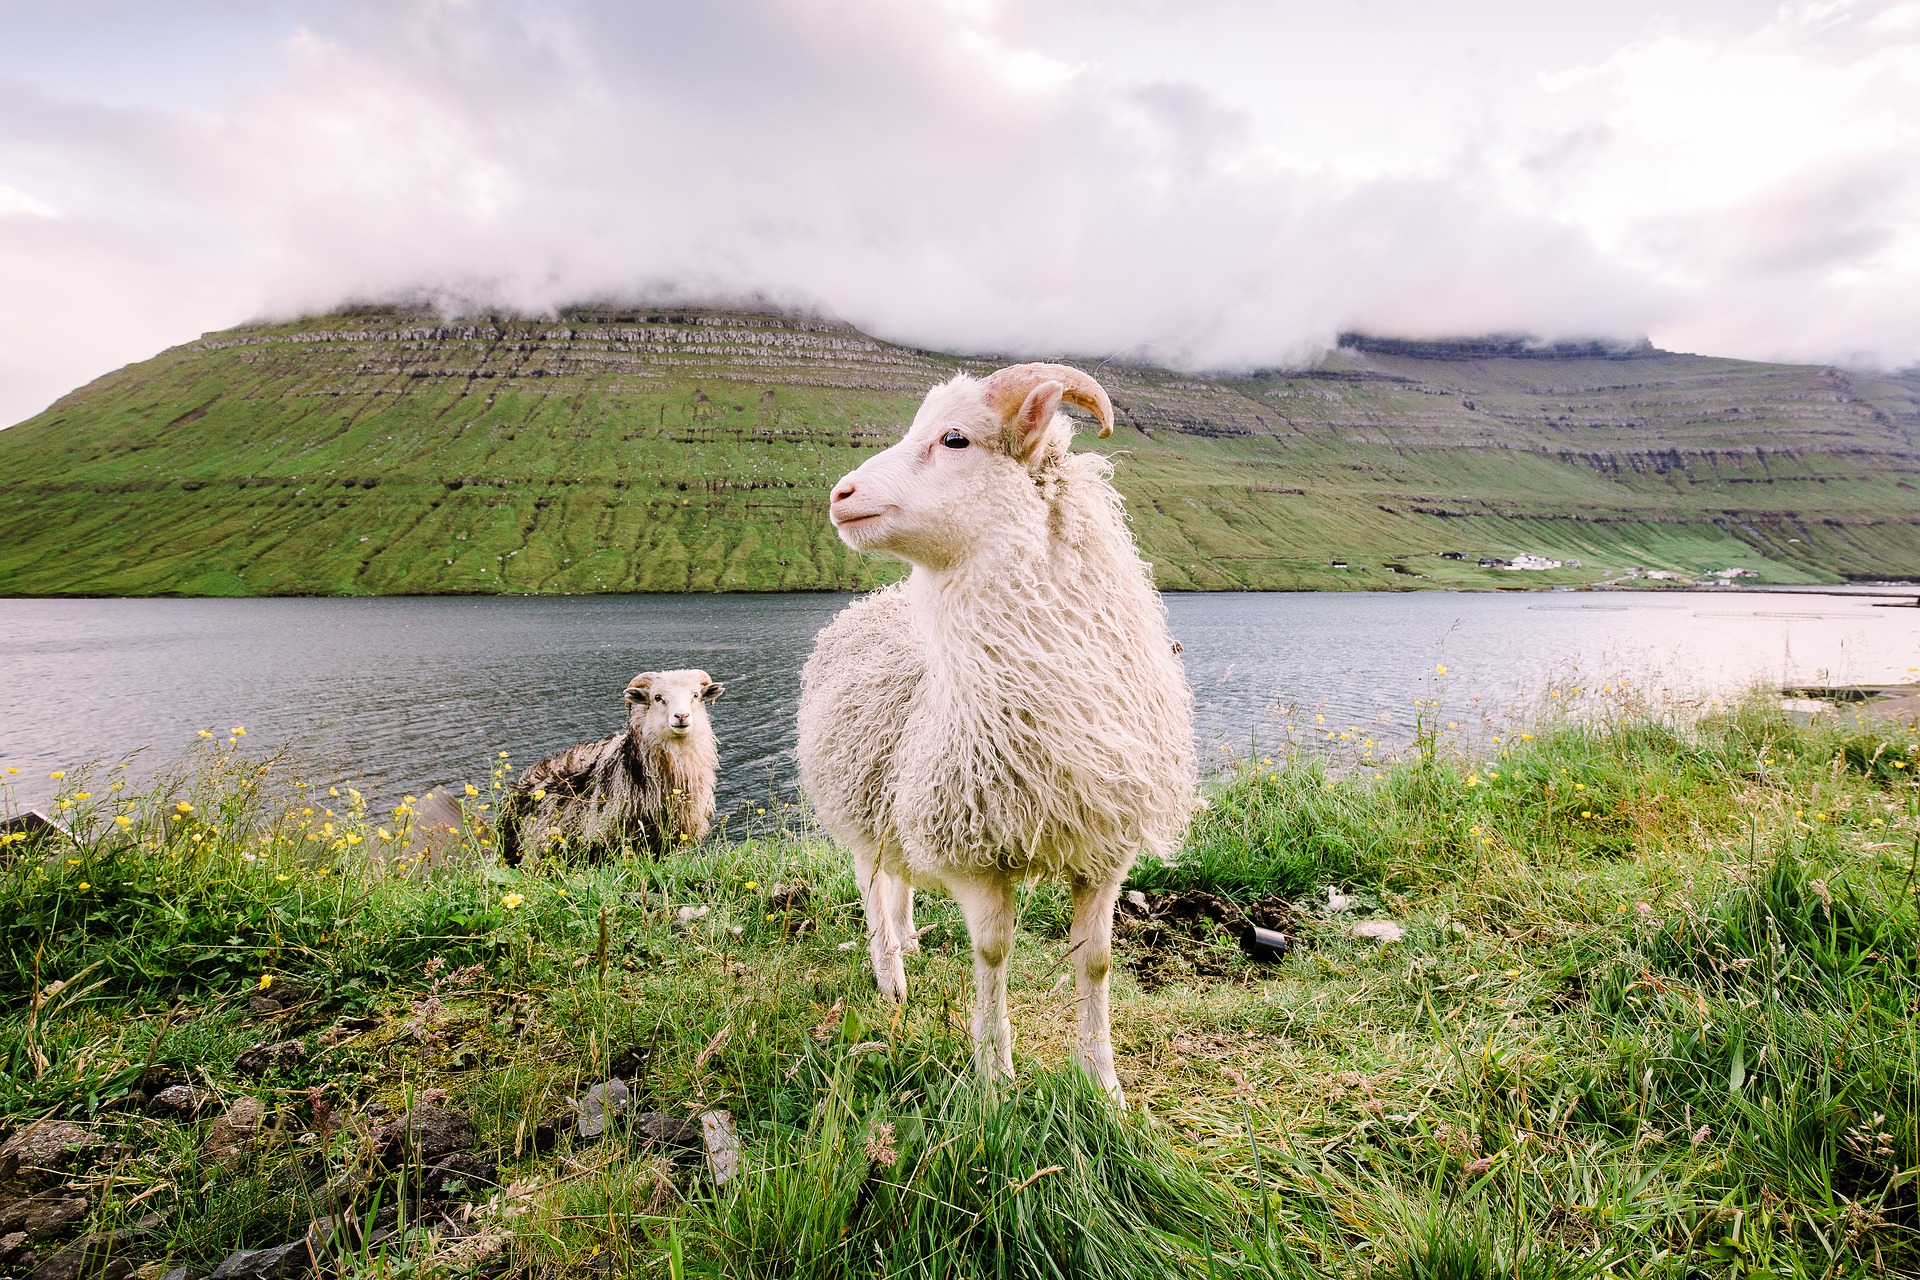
<point x="1653" y="1015"/>
<point x="382" y="452"/>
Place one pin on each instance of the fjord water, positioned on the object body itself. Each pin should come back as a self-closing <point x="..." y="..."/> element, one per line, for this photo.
<point x="398" y="694"/>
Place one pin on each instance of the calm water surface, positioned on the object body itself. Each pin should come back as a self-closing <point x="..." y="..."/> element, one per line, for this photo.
<point x="400" y="694"/>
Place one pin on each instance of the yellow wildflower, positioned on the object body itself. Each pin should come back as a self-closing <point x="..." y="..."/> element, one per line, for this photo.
<point x="85" y="885"/>
<point x="472" y="790"/>
<point x="183" y="806"/>
<point x="512" y="901"/>
<point x="124" y="820"/>
<point x="58" y="774"/>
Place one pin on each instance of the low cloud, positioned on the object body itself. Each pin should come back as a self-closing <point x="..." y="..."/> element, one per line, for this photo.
<point x="942" y="175"/>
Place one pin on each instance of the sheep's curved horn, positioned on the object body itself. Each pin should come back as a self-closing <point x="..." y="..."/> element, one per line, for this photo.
<point x="1007" y="390"/>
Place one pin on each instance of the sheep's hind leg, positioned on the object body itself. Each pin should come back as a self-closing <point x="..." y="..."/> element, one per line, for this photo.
<point x="1092" y="946"/>
<point x="900" y="912"/>
<point x="877" y="894"/>
<point x="988" y="905"/>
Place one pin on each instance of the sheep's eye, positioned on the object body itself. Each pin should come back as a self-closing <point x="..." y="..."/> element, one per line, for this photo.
<point x="954" y="440"/>
<point x="659" y="697"/>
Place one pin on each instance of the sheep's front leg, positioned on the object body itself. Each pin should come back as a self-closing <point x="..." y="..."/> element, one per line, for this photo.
<point x="1092" y="945"/>
<point x="877" y="894"/>
<point x="987" y="903"/>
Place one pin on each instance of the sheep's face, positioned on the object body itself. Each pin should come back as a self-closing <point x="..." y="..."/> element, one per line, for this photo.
<point x="667" y="705"/>
<point x="961" y="467"/>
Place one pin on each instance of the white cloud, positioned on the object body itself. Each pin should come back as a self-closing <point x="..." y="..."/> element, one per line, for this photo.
<point x="16" y="203"/>
<point x="993" y="177"/>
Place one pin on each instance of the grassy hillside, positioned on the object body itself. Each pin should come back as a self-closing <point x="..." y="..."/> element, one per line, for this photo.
<point x="380" y="452"/>
<point x="1651" y="1017"/>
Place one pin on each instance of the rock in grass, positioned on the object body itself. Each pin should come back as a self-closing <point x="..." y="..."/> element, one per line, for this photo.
<point x="723" y="1146"/>
<point x="282" y="1055"/>
<point x="1378" y="931"/>
<point x="280" y="1262"/>
<point x="460" y="1177"/>
<point x="177" y="1102"/>
<point x="101" y="1256"/>
<point x="233" y="1134"/>
<point x="44" y="1149"/>
<point x="599" y="1105"/>
<point x="14" y="1249"/>
<point x="46" y="1216"/>
<point x="680" y="1132"/>
<point x="422" y="1136"/>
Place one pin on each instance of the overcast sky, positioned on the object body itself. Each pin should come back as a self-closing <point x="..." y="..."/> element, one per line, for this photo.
<point x="1192" y="182"/>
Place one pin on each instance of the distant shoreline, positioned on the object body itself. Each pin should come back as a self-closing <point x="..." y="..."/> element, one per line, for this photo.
<point x="1888" y="590"/>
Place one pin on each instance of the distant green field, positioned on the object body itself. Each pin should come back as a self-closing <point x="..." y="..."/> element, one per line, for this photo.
<point x="382" y="452"/>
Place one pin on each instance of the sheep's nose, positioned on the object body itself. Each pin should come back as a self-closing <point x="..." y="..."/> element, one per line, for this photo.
<point x="844" y="491"/>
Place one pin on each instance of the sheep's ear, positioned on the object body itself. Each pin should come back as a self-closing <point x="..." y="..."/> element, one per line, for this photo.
<point x="1027" y="430"/>
<point x="713" y="690"/>
<point x="640" y="685"/>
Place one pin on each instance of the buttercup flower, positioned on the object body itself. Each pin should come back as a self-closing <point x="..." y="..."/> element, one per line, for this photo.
<point x="511" y="901"/>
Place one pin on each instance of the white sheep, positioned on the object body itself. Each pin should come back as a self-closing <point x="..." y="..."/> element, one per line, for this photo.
<point x="652" y="782"/>
<point x="1014" y="708"/>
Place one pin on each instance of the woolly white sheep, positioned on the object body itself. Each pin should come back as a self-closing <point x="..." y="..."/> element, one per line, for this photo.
<point x="651" y="782"/>
<point x="1014" y="708"/>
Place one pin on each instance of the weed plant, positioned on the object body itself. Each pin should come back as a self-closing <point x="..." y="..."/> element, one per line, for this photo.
<point x="1652" y="1014"/>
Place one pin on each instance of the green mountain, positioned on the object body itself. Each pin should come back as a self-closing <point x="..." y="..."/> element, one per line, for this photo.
<point x="387" y="451"/>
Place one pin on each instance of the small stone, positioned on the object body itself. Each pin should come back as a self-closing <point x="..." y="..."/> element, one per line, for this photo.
<point x="282" y="1055"/>
<point x="460" y="1177"/>
<point x="260" y="1006"/>
<point x="669" y="1131"/>
<point x="546" y="1133"/>
<point x="178" y="1273"/>
<point x="1137" y="900"/>
<point x="723" y="1146"/>
<point x="14" y="1249"/>
<point x="233" y="1134"/>
<point x="177" y="1102"/>
<point x="54" y="1147"/>
<point x="281" y="1262"/>
<point x="598" y="1105"/>
<point x="422" y="1136"/>
<point x="46" y="1216"/>
<point x="687" y="917"/>
<point x="97" y="1257"/>
<point x="1378" y="931"/>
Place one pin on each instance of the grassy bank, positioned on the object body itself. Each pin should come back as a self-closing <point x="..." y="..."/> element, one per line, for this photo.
<point x="385" y="452"/>
<point x="1652" y="1012"/>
